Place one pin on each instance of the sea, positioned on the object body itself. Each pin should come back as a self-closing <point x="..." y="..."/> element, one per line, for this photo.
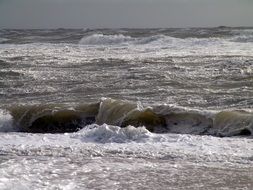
<point x="164" y="108"/>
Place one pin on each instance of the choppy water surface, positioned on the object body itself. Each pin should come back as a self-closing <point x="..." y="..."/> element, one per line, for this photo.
<point x="182" y="85"/>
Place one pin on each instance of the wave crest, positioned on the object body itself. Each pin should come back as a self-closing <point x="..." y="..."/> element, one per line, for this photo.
<point x="108" y="133"/>
<point x="53" y="118"/>
<point x="119" y="39"/>
<point x="157" y="41"/>
<point x="158" y="119"/>
<point x="6" y="122"/>
<point x="101" y="39"/>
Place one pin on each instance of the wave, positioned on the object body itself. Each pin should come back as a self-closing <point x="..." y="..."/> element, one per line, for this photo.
<point x="156" y="119"/>
<point x="153" y="41"/>
<point x="6" y="122"/>
<point x="243" y="38"/>
<point x="101" y="39"/>
<point x="53" y="118"/>
<point x="232" y="123"/>
<point x="119" y="39"/>
<point x="108" y="133"/>
<point x="2" y="40"/>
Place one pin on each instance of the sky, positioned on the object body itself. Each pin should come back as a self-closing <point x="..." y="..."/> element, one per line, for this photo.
<point x="124" y="13"/>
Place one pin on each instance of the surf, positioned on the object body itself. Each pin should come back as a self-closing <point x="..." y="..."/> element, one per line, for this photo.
<point x="63" y="118"/>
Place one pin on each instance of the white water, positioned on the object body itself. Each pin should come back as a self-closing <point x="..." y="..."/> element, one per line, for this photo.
<point x="162" y="46"/>
<point x="100" y="39"/>
<point x="136" y="141"/>
<point x="127" y="48"/>
<point x="155" y="69"/>
<point x="112" y="156"/>
<point x="6" y="122"/>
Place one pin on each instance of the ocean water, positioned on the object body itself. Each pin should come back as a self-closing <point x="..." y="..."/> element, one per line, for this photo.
<point x="126" y="108"/>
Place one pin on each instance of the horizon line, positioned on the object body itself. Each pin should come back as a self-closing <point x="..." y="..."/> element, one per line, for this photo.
<point x="104" y="28"/>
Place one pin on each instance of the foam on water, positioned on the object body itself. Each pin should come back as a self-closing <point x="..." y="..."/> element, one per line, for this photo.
<point x="47" y="75"/>
<point x="100" y="39"/>
<point x="114" y="141"/>
<point x="242" y="36"/>
<point x="74" y="160"/>
<point x="169" y="46"/>
<point x="120" y="39"/>
<point x="137" y="48"/>
<point x="109" y="134"/>
<point x="6" y="122"/>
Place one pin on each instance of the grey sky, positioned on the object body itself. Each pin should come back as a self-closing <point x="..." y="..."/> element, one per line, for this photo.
<point x="124" y="13"/>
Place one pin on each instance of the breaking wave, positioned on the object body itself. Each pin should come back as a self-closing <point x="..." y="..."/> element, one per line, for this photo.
<point x="6" y="122"/>
<point x="243" y="39"/>
<point x="108" y="133"/>
<point x="160" y="40"/>
<point x="157" y="119"/>
<point x="242" y="36"/>
<point x="101" y="39"/>
<point x="119" y="39"/>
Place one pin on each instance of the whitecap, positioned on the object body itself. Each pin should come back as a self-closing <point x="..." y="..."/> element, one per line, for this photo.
<point x="101" y="39"/>
<point x="112" y="134"/>
<point x="6" y="122"/>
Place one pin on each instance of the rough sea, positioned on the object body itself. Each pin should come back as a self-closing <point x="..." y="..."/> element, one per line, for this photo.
<point x="126" y="108"/>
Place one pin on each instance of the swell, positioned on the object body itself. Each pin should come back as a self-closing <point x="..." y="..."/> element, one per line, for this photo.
<point x="157" y="119"/>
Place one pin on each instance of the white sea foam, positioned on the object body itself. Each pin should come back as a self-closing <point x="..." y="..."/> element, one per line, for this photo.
<point x="162" y="45"/>
<point x="89" y="48"/>
<point x="120" y="39"/>
<point x="110" y="157"/>
<point x="100" y="39"/>
<point x="59" y="161"/>
<point x="107" y="139"/>
<point x="242" y="36"/>
<point x="108" y="133"/>
<point x="6" y="122"/>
